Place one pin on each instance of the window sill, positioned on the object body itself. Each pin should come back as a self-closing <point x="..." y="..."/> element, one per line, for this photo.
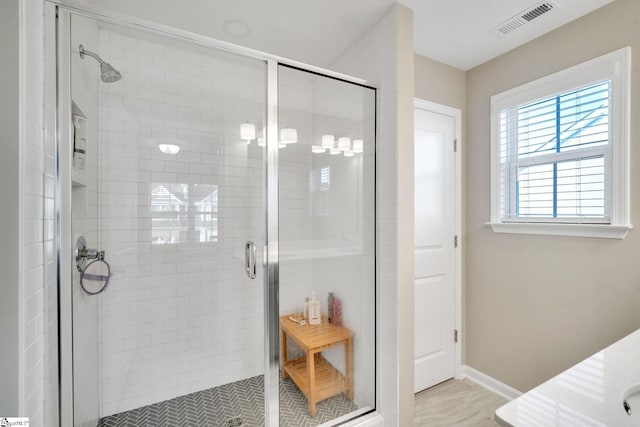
<point x="604" y="231"/>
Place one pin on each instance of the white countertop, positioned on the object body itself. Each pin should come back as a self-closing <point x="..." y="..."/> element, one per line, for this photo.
<point x="588" y="394"/>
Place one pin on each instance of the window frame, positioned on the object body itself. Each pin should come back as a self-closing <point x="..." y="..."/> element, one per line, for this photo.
<point x="614" y="66"/>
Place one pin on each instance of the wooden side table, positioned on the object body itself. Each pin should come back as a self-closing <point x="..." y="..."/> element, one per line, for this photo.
<point x="312" y="373"/>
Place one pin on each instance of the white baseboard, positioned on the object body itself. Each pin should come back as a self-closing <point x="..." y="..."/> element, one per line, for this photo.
<point x="490" y="383"/>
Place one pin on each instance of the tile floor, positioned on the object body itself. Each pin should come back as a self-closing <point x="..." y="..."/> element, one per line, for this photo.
<point x="459" y="403"/>
<point x="231" y="405"/>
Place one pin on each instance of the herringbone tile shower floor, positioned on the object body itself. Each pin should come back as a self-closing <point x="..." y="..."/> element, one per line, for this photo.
<point x="214" y="407"/>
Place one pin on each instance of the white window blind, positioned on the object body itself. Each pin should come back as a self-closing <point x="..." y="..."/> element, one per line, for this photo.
<point x="560" y="152"/>
<point x="555" y="156"/>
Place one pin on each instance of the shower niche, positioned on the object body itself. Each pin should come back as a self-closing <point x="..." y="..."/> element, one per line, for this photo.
<point x="79" y="150"/>
<point x="178" y="175"/>
<point x="80" y="144"/>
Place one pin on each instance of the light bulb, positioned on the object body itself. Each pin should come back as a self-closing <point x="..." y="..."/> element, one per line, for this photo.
<point x="334" y="151"/>
<point x="328" y="141"/>
<point x="358" y="146"/>
<point x="247" y="132"/>
<point x="348" y="153"/>
<point x="344" y="143"/>
<point x="288" y="136"/>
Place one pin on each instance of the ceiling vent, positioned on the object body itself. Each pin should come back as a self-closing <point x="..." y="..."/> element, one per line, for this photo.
<point x="523" y="18"/>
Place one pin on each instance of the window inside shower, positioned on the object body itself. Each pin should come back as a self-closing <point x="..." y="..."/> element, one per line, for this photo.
<point x="183" y="213"/>
<point x="172" y="189"/>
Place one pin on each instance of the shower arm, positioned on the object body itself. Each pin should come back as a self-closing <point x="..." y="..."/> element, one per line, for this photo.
<point x="84" y="52"/>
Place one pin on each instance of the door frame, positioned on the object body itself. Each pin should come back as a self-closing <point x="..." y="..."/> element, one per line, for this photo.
<point x="456" y="113"/>
<point x="62" y="106"/>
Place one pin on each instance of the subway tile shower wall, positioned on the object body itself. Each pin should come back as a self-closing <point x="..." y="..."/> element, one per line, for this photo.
<point x="179" y="315"/>
<point x="39" y="328"/>
<point x="85" y="220"/>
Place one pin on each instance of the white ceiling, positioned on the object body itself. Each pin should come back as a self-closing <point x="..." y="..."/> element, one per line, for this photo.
<point x="311" y="31"/>
<point x="455" y="32"/>
<point x="458" y="32"/>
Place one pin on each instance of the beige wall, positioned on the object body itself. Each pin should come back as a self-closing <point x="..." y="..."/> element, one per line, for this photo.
<point x="440" y="83"/>
<point x="535" y="305"/>
<point x="405" y="212"/>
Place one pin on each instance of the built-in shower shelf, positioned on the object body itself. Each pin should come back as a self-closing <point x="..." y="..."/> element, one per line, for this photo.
<point x="78" y="178"/>
<point x="79" y="146"/>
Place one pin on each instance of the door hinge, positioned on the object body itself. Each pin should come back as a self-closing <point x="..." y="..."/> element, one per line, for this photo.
<point x="455" y="335"/>
<point x="455" y="241"/>
<point x="455" y="145"/>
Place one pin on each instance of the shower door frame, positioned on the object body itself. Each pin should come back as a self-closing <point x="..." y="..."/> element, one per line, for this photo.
<point x="59" y="33"/>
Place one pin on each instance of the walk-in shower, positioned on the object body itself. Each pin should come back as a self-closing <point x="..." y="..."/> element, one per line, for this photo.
<point x="227" y="191"/>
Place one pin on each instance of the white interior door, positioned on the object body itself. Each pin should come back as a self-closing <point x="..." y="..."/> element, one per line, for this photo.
<point x="435" y="250"/>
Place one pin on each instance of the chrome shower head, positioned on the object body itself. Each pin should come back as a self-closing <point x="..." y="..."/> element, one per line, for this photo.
<point x="108" y="74"/>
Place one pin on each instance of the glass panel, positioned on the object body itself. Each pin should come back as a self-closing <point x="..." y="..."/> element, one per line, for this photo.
<point x="581" y="188"/>
<point x="536" y="128"/>
<point x="171" y="191"/>
<point x="569" y="189"/>
<point x="570" y="121"/>
<point x="327" y="248"/>
<point x="535" y="191"/>
<point x="584" y="117"/>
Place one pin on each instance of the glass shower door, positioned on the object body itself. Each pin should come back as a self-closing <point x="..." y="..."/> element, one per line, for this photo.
<point x="327" y="248"/>
<point x="175" y="182"/>
<point x="172" y="189"/>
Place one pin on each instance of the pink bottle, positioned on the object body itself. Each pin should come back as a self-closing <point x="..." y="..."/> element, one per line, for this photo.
<point x="337" y="312"/>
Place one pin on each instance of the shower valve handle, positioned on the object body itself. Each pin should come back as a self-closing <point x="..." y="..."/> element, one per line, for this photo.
<point x="250" y="259"/>
<point x="82" y="253"/>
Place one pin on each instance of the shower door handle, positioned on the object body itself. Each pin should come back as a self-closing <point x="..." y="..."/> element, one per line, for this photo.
<point x="250" y="259"/>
